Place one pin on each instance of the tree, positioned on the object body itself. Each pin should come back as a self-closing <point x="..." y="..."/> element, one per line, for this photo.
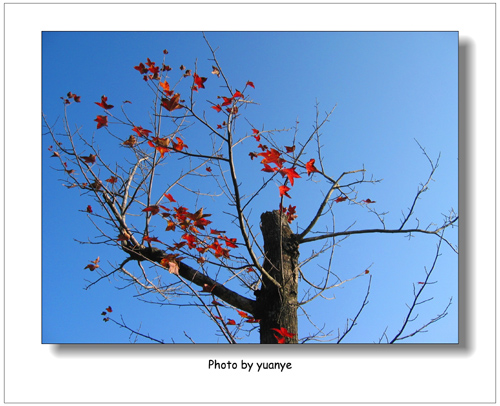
<point x="174" y="247"/>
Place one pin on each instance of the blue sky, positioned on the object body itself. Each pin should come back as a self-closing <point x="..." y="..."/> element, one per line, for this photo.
<point x="390" y="88"/>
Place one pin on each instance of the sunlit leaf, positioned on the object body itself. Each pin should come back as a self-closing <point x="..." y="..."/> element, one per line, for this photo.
<point x="310" y="167"/>
<point x="215" y="71"/>
<point x="141" y="132"/>
<point x="284" y="332"/>
<point x="199" y="81"/>
<point x="290" y="173"/>
<point x="169" y="197"/>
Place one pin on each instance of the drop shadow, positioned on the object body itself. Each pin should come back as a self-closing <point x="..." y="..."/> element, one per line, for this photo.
<point x="466" y="171"/>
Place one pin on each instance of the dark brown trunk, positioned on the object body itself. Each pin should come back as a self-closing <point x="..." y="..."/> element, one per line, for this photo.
<point x="277" y="307"/>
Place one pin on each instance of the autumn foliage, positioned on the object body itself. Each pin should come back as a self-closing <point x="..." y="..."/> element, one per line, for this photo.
<point x="175" y="234"/>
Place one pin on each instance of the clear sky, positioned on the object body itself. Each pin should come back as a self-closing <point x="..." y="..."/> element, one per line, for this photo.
<point x="390" y="89"/>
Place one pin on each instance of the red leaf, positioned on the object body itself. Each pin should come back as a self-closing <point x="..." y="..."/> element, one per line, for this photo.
<point x="109" y="309"/>
<point x="290" y="149"/>
<point x="102" y="121"/>
<point x="255" y="131"/>
<point x="250" y="84"/>
<point x="231" y="322"/>
<point x="150" y="239"/>
<point x="290" y="214"/>
<point x="103" y="103"/>
<point x="268" y="168"/>
<point x="93" y="264"/>
<point x="166" y="88"/>
<point x="283" y="191"/>
<point x="281" y="340"/>
<point x="367" y="271"/>
<point x="368" y="201"/>
<point x="237" y="94"/>
<point x="169" y="197"/>
<point x="284" y="332"/>
<point x="217" y="108"/>
<point x="92" y="267"/>
<point x="212" y="231"/>
<point x="230" y="242"/>
<point x="141" y="68"/>
<point x="340" y="199"/>
<point x="112" y="179"/>
<point x="153" y="209"/>
<point x="191" y="240"/>
<point x="421" y="283"/>
<point x="243" y="314"/>
<point x="89" y="209"/>
<point x="310" y="167"/>
<point x="179" y="145"/>
<point x="290" y="173"/>
<point x="227" y="101"/>
<point x="272" y="156"/>
<point x="141" y="132"/>
<point x="199" y="81"/>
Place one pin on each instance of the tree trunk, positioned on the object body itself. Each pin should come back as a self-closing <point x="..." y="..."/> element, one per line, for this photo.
<point x="277" y="307"/>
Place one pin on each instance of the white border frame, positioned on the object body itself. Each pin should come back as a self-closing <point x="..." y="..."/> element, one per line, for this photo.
<point x="342" y="374"/>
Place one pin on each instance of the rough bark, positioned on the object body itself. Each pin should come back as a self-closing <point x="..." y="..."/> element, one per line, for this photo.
<point x="277" y="307"/>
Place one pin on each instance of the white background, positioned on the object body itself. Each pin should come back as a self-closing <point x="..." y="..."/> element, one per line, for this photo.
<point x="321" y="373"/>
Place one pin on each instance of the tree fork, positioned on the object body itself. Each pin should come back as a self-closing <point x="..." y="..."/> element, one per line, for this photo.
<point x="142" y="253"/>
<point x="277" y="308"/>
